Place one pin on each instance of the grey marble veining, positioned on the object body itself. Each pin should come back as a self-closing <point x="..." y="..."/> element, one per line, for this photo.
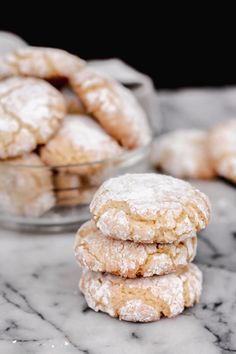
<point x="41" y="310"/>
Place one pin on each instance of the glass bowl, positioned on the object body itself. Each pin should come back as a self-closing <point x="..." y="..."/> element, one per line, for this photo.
<point x="56" y="199"/>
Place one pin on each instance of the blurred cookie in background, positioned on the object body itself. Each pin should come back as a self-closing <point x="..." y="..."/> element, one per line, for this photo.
<point x="183" y="154"/>
<point x="222" y="148"/>
<point x="78" y="145"/>
<point x="114" y="106"/>
<point x="31" y="111"/>
<point x="44" y="63"/>
<point x="26" y="187"/>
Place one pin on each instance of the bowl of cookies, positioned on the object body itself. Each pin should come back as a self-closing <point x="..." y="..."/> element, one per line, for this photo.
<point x="65" y="127"/>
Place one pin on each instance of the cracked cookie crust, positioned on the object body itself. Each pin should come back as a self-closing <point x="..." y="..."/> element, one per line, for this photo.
<point x="129" y="259"/>
<point x="30" y="112"/>
<point x="149" y="208"/>
<point x="44" y="63"/>
<point x="80" y="140"/>
<point x="113" y="106"/>
<point x="142" y="299"/>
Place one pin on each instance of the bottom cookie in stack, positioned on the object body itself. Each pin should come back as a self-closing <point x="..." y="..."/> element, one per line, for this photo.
<point x="142" y="299"/>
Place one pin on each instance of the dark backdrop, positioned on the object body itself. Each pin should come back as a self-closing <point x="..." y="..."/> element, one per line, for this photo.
<point x="175" y="52"/>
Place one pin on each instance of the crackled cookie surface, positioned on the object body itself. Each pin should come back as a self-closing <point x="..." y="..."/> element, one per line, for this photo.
<point x="79" y="140"/>
<point x="31" y="110"/>
<point x="184" y="154"/>
<point x="142" y="299"/>
<point x="46" y="63"/>
<point x="149" y="208"/>
<point x="222" y="147"/>
<point x="130" y="259"/>
<point x="25" y="186"/>
<point x="113" y="106"/>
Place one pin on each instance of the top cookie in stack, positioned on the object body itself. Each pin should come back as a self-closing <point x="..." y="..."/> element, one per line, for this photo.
<point x="144" y="226"/>
<point x="149" y="208"/>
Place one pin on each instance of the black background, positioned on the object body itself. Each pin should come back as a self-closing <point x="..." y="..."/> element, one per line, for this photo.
<point x="174" y="48"/>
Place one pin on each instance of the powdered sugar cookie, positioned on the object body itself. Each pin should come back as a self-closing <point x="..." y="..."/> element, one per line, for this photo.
<point x="80" y="140"/>
<point x="113" y="106"/>
<point x="45" y="63"/>
<point x="149" y="208"/>
<point x="183" y="154"/>
<point x="142" y="299"/>
<point x="30" y="112"/>
<point x="222" y="147"/>
<point x="70" y="191"/>
<point x="130" y="259"/>
<point x="73" y="102"/>
<point x="25" y="189"/>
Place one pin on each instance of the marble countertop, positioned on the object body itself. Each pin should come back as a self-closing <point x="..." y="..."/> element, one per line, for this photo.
<point x="42" y="311"/>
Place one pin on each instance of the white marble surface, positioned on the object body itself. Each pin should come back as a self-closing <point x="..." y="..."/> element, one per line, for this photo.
<point x="41" y="310"/>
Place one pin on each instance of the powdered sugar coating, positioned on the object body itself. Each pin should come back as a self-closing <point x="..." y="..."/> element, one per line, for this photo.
<point x="45" y="63"/>
<point x="79" y="140"/>
<point x="222" y="147"/>
<point x="149" y="208"/>
<point x="113" y="106"/>
<point x="30" y="112"/>
<point x="25" y="189"/>
<point x="184" y="154"/>
<point x="129" y="259"/>
<point x="142" y="299"/>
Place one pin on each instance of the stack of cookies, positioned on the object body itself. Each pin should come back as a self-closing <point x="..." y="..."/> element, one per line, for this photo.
<point x="137" y="249"/>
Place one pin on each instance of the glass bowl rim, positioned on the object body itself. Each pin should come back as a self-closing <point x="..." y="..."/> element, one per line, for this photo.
<point x="125" y="156"/>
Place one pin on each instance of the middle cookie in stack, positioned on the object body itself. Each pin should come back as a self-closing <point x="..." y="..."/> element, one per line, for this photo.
<point x="144" y="227"/>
